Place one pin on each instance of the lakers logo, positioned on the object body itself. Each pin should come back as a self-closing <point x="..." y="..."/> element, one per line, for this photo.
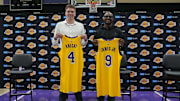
<point x="19" y="25"/>
<point x="8" y="32"/>
<point x="43" y="38"/>
<point x="31" y="45"/>
<point x="159" y="17"/>
<point x="19" y="38"/>
<point x="171" y="24"/>
<point x="92" y="52"/>
<point x="42" y="80"/>
<point x="53" y="31"/>
<point x="33" y="73"/>
<point x="144" y="67"/>
<point x="19" y="80"/>
<point x="7" y="85"/>
<point x="133" y="17"/>
<point x="6" y="72"/>
<point x="145" y="38"/>
<point x="55" y="46"/>
<point x="43" y="24"/>
<point x="42" y="66"/>
<point x="158" y="31"/>
<point x="133" y="74"/>
<point x="170" y="82"/>
<point x="33" y="59"/>
<point x="157" y="74"/>
<point x="170" y="38"/>
<point x="19" y="51"/>
<point x="55" y="73"/>
<point x="93" y="24"/>
<point x="8" y="45"/>
<point x="81" y="17"/>
<point x="133" y="88"/>
<point x="119" y="24"/>
<point x="31" y="31"/>
<point x="55" y="59"/>
<point x="170" y="52"/>
<point x="91" y="38"/>
<point x="144" y="52"/>
<point x="132" y="60"/>
<point x="144" y="81"/>
<point x="56" y="17"/>
<point x="32" y="86"/>
<point x="157" y="60"/>
<point x="8" y="59"/>
<point x="92" y="67"/>
<point x="158" y="45"/>
<point x="157" y="88"/>
<point x="145" y="24"/>
<point x="132" y="45"/>
<point x="133" y="31"/>
<point x="32" y="17"/>
<point x="92" y="81"/>
<point x="43" y="52"/>
<point x="55" y="87"/>
<point x="8" y="18"/>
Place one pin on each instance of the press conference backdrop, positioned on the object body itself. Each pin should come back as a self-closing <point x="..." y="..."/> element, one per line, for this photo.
<point x="149" y="33"/>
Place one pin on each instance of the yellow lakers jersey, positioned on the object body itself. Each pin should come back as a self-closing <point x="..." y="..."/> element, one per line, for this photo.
<point x="108" y="61"/>
<point x="71" y="64"/>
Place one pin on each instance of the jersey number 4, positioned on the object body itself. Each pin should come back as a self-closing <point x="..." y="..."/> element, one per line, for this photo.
<point x="108" y="60"/>
<point x="71" y="57"/>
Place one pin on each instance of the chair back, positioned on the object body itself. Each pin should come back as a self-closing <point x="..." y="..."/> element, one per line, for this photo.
<point x="123" y="60"/>
<point x="171" y="61"/>
<point x="24" y="60"/>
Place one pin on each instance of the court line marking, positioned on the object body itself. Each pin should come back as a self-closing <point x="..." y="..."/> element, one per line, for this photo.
<point x="22" y="96"/>
<point x="161" y="95"/>
<point x="5" y="92"/>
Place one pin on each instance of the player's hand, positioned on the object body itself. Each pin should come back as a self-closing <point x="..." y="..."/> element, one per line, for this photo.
<point x="121" y="42"/>
<point x="58" y="35"/>
<point x="84" y="36"/>
<point x="95" y="42"/>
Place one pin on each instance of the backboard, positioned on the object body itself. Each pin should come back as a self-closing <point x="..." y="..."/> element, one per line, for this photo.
<point x="99" y="3"/>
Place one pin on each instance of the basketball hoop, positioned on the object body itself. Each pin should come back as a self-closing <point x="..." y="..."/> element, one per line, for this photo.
<point x="93" y="8"/>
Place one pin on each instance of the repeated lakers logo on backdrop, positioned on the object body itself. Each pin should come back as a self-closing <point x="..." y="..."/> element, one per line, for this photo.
<point x="170" y="82"/>
<point x="31" y="31"/>
<point x="8" y="59"/>
<point x="158" y="45"/>
<point x="55" y="73"/>
<point x="92" y="52"/>
<point x="32" y="17"/>
<point x="144" y="67"/>
<point x="170" y="52"/>
<point x="91" y="38"/>
<point x="43" y="52"/>
<point x="43" y="24"/>
<point x="8" y="45"/>
<point x="158" y="31"/>
<point x="133" y="74"/>
<point x="119" y="24"/>
<point x="8" y="18"/>
<point x="133" y="17"/>
<point x="43" y="38"/>
<point x="132" y="87"/>
<point x="159" y="17"/>
<point x="132" y="60"/>
<point x="56" y="17"/>
<point x="55" y="86"/>
<point x="92" y="67"/>
<point x="92" y="81"/>
<point x="7" y="85"/>
<point x="42" y="66"/>
<point x="19" y="80"/>
<point x="33" y="73"/>
<point x="42" y="80"/>
<point x="133" y="31"/>
<point x="19" y="25"/>
<point x="81" y="17"/>
<point x="8" y="32"/>
<point x="157" y="60"/>
<point x="132" y="45"/>
<point x="93" y="24"/>
<point x="157" y="88"/>
<point x="55" y="59"/>
<point x="54" y="46"/>
<point x="170" y="38"/>
<point x="145" y="24"/>
<point x="144" y="52"/>
<point x="145" y="38"/>
<point x="157" y="74"/>
<point x="6" y="72"/>
<point x="171" y="24"/>
<point x="19" y="38"/>
<point x="144" y="81"/>
<point x="32" y="86"/>
<point x="31" y="45"/>
<point x="19" y="51"/>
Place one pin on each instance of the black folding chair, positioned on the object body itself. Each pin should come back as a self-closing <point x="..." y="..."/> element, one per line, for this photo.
<point x="21" y="70"/>
<point x="171" y="65"/>
<point x="124" y="72"/>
